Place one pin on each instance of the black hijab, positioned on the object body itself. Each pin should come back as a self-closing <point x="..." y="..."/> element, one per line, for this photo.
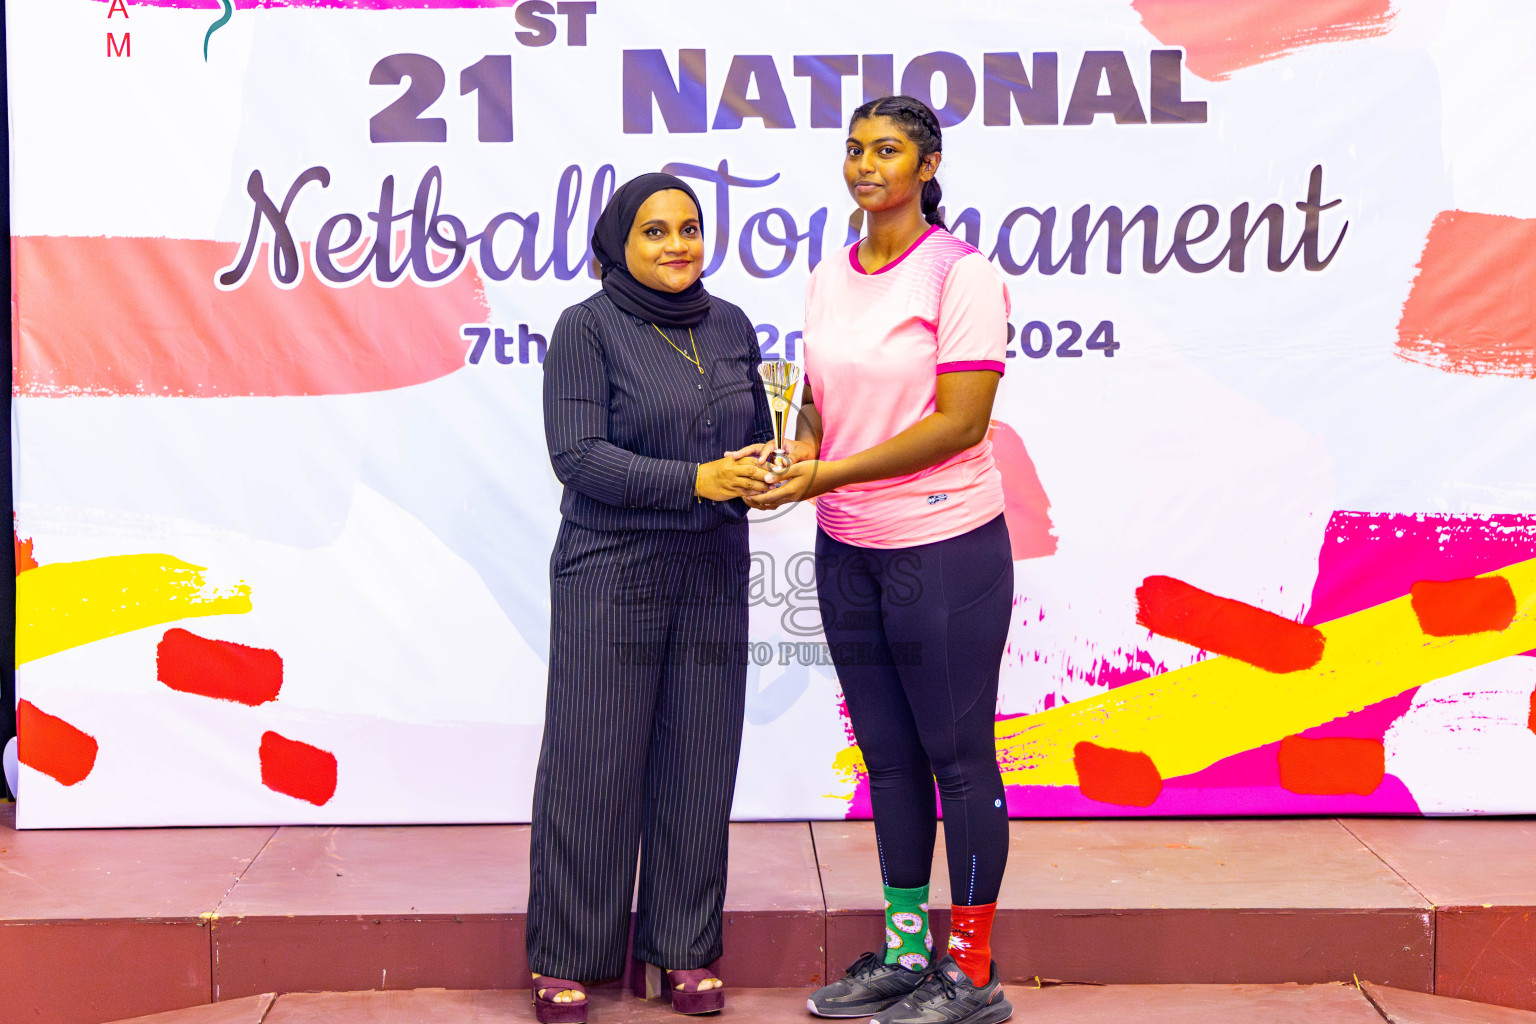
<point x="669" y="309"/>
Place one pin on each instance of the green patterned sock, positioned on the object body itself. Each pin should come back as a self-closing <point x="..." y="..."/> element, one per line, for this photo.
<point x="907" y="939"/>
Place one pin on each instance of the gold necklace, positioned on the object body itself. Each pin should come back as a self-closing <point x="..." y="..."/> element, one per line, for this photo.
<point x="694" y="359"/>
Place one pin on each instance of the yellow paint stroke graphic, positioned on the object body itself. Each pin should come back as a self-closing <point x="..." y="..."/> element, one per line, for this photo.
<point x="1188" y="719"/>
<point x="66" y="604"/>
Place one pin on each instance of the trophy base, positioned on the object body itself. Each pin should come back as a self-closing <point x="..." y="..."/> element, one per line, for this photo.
<point x="778" y="460"/>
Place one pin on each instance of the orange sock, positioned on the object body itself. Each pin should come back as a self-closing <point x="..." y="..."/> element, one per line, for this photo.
<point x="970" y="940"/>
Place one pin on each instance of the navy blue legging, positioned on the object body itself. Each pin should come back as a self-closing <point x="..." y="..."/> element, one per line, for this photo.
<point x="917" y="636"/>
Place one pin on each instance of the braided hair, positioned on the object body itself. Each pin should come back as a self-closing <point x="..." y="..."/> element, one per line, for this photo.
<point x="920" y="124"/>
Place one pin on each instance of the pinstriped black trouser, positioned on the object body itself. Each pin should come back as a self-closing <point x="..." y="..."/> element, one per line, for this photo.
<point x="642" y="731"/>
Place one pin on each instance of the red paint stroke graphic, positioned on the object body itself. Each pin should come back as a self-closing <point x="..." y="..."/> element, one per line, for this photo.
<point x="218" y="668"/>
<point x="1458" y="607"/>
<point x="1113" y="776"/>
<point x="1369" y="558"/>
<point x="1332" y="765"/>
<point x="1026" y="508"/>
<point x="141" y="316"/>
<point x="297" y="769"/>
<point x="1174" y="609"/>
<point x="1221" y="36"/>
<point x="1472" y="308"/>
<point x="1366" y="559"/>
<point x="24" y="558"/>
<point x="53" y="746"/>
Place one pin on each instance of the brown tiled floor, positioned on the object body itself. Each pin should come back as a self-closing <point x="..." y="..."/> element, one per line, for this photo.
<point x="1146" y="901"/>
<point x="101" y="925"/>
<point x="1066" y="1004"/>
<point x="250" y="1010"/>
<point x="1480" y="875"/>
<point x="1194" y="1004"/>
<point x="775" y="920"/>
<point x="760" y="1006"/>
<point x="98" y="924"/>
<point x="391" y="907"/>
<point x="1400" y="1007"/>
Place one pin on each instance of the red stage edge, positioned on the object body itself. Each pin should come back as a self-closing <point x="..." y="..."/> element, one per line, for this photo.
<point x="104" y="925"/>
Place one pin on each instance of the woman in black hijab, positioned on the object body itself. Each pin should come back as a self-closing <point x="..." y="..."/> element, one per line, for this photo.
<point x="646" y="384"/>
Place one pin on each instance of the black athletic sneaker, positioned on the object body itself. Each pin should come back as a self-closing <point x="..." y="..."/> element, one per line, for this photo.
<point x="870" y="986"/>
<point x="947" y="996"/>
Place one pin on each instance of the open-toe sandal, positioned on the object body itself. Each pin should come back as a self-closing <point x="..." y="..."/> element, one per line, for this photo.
<point x="682" y="989"/>
<point x="548" y="1011"/>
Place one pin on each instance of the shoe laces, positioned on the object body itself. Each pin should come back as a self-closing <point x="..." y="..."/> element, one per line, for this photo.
<point x="934" y="974"/>
<point x="866" y="965"/>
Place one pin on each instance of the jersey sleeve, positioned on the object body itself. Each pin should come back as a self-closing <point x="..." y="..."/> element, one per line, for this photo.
<point x="973" y="318"/>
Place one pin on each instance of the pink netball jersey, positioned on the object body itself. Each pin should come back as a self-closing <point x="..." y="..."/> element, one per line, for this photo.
<point x="875" y="345"/>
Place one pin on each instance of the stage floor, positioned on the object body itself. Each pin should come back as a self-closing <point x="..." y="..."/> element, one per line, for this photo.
<point x="103" y="925"/>
<point x="1072" y="1004"/>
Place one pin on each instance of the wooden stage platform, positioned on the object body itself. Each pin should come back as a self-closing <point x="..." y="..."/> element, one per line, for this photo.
<point x="1067" y="1004"/>
<point x="104" y="925"/>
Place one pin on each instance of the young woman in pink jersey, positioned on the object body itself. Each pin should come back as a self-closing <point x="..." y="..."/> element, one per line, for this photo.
<point x="905" y="337"/>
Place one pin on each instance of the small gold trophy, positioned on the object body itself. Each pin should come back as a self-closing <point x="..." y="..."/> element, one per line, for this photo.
<point x="779" y="378"/>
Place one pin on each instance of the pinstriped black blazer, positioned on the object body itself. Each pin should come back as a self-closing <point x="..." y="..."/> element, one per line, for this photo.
<point x="628" y="419"/>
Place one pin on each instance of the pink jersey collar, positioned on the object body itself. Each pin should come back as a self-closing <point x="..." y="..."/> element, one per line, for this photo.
<point x="853" y="253"/>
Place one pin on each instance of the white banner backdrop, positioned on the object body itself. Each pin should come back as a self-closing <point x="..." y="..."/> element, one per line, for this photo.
<point x="285" y="273"/>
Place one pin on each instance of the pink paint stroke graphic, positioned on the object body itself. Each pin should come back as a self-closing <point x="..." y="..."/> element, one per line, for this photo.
<point x="1472" y="309"/>
<point x="1371" y="557"/>
<point x="1120" y="667"/>
<point x="1026" y="508"/>
<point x="1221" y="36"/>
<point x="1245" y="784"/>
<point x="141" y="316"/>
<point x="346" y="5"/>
